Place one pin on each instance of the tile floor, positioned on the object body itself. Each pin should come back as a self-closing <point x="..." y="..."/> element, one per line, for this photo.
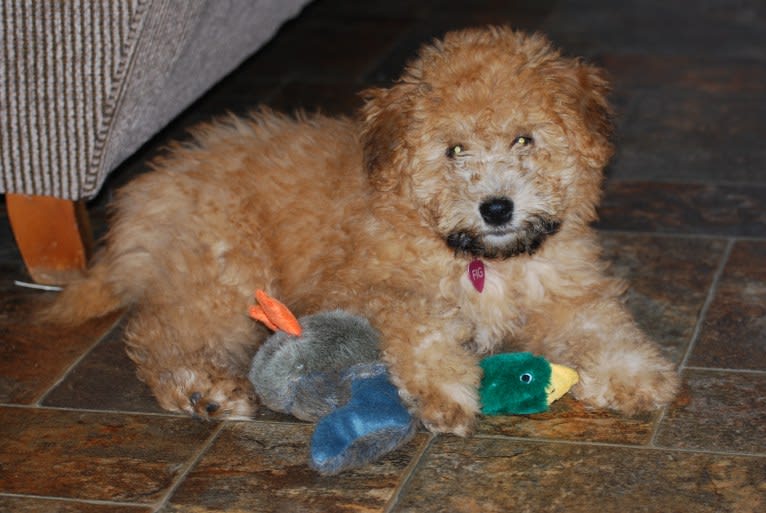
<point x="683" y="218"/>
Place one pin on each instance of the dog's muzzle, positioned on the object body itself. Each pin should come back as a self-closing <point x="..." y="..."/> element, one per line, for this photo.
<point x="526" y="239"/>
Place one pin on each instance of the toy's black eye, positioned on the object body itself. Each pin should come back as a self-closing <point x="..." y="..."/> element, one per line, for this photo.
<point x="455" y="150"/>
<point x="523" y="141"/>
<point x="526" y="378"/>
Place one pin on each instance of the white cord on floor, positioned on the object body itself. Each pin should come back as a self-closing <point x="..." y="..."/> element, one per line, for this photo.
<point x="52" y="288"/>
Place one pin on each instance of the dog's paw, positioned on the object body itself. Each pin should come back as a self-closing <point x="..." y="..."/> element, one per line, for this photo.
<point x="628" y="389"/>
<point x="227" y="398"/>
<point x="208" y="397"/>
<point x="451" y="409"/>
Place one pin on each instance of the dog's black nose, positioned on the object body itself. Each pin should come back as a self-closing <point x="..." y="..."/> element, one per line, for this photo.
<point x="496" y="211"/>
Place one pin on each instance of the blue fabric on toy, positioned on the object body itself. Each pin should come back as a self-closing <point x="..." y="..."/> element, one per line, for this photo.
<point x="372" y="423"/>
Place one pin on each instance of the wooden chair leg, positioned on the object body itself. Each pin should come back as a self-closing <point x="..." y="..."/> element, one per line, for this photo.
<point x="53" y="236"/>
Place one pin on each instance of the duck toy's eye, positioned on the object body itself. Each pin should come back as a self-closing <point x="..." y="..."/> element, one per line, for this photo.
<point x="526" y="378"/>
<point x="455" y="150"/>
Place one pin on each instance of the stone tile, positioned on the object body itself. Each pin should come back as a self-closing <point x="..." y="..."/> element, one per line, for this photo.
<point x="8" y="252"/>
<point x="391" y="66"/>
<point x="733" y="334"/>
<point x="33" y="356"/>
<point x="720" y="411"/>
<point x="354" y="10"/>
<point x="263" y="467"/>
<point x="668" y="280"/>
<point x="568" y="419"/>
<point x="684" y="74"/>
<point x="246" y="83"/>
<point x="36" y="505"/>
<point x="524" y="15"/>
<point x="497" y="475"/>
<point x="104" y="380"/>
<point x="11" y="265"/>
<point x="67" y="454"/>
<point x="698" y="209"/>
<point x="502" y="11"/>
<point x="332" y="99"/>
<point x="317" y="49"/>
<point x="708" y="27"/>
<point x="683" y="135"/>
<point x="237" y="94"/>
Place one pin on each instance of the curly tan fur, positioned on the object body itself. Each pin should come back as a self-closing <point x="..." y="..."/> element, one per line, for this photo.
<point x="381" y="216"/>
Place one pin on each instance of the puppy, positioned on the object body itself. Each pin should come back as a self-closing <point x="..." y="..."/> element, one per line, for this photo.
<point x="453" y="213"/>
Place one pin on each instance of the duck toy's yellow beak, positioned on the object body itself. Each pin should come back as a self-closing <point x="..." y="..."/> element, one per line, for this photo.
<point x="562" y="380"/>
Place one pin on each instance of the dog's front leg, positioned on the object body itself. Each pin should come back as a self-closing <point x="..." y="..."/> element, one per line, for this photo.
<point x="619" y="367"/>
<point x="436" y="376"/>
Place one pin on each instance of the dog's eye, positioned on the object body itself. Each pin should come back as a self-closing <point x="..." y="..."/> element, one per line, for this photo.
<point x="522" y="140"/>
<point x="455" y="150"/>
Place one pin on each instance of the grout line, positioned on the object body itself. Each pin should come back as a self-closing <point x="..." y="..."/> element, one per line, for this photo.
<point x="658" y="420"/>
<point x="624" y="446"/>
<point x="680" y="235"/>
<point x="161" y="414"/>
<point x="708" y="302"/>
<point x="192" y="462"/>
<point x="294" y="421"/>
<point x="94" y="410"/>
<point x="417" y="462"/>
<point x="79" y="360"/>
<point x="74" y="500"/>
<point x="753" y="372"/>
<point x="687" y="180"/>
<point x="710" y="296"/>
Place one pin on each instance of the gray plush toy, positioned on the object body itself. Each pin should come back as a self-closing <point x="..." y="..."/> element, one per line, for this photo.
<point x="328" y="370"/>
<point x="301" y="375"/>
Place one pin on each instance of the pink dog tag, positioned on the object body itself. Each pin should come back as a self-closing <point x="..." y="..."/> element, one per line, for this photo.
<point x="476" y="274"/>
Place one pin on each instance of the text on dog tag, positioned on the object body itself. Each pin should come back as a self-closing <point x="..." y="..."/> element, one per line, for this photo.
<point x="476" y="274"/>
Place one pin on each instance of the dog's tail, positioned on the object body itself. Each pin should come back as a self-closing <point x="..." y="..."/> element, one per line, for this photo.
<point x="96" y="294"/>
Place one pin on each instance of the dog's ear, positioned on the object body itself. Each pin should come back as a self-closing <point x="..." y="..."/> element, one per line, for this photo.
<point x="593" y="92"/>
<point x="596" y="109"/>
<point x="583" y="92"/>
<point x="384" y="120"/>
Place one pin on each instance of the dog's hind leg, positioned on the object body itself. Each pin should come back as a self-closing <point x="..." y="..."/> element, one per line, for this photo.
<point x="193" y="340"/>
<point x="189" y="332"/>
<point x="192" y="362"/>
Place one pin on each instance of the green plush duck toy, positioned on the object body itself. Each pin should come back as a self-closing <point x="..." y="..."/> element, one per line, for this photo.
<point x="522" y="383"/>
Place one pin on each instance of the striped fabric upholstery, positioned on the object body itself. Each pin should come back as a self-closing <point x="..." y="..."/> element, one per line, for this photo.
<point x="83" y="83"/>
